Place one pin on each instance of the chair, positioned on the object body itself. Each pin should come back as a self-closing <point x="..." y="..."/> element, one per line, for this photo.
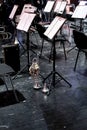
<point x="80" y="40"/>
<point x="5" y="74"/>
<point x="41" y="29"/>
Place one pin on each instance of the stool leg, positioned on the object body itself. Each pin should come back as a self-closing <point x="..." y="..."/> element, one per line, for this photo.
<point x="76" y="60"/>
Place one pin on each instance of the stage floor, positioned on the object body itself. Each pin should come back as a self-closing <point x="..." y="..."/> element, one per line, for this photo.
<point x="63" y="108"/>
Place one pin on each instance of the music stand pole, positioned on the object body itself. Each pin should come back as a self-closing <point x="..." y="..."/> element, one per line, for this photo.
<point x="54" y="54"/>
<point x="28" y="56"/>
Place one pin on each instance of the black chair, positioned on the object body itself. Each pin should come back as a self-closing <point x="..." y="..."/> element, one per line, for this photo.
<point x="80" y="40"/>
<point x="5" y="74"/>
<point x="41" y="29"/>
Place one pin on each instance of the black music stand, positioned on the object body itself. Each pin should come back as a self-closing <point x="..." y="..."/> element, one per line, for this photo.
<point x="28" y="8"/>
<point x="48" y="10"/>
<point x="12" y="17"/>
<point x="59" y="7"/>
<point x="24" y="25"/>
<point x="82" y="2"/>
<point x="80" y="13"/>
<point x="51" y="32"/>
<point x="12" y="14"/>
<point x="49" y="6"/>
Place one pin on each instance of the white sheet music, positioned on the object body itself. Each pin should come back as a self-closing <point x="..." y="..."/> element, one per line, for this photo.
<point x="11" y="16"/>
<point x="28" y="8"/>
<point x="49" y="6"/>
<point x="25" y="21"/>
<point x="60" y="6"/>
<point x="83" y="3"/>
<point x="80" y="12"/>
<point x="54" y="27"/>
<point x="57" y="6"/>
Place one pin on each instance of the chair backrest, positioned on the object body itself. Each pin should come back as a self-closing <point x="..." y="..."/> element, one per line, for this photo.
<point x="40" y="30"/>
<point x="80" y="39"/>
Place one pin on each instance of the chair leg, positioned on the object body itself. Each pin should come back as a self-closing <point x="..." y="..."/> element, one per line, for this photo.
<point x="42" y="47"/>
<point x="64" y="50"/>
<point x="76" y="60"/>
<point x="36" y="39"/>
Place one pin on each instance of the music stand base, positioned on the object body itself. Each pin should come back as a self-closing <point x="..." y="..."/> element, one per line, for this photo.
<point x="71" y="49"/>
<point x="19" y="72"/>
<point x="53" y="74"/>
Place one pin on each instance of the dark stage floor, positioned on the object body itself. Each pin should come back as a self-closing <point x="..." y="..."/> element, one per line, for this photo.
<point x="64" y="108"/>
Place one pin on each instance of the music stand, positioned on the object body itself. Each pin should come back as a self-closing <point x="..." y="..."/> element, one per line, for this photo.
<point x="59" y="7"/>
<point x="24" y="25"/>
<point x="48" y="10"/>
<point x="83" y="3"/>
<point x="12" y="14"/>
<point x="11" y="17"/>
<point x="28" y="8"/>
<point x="49" y="6"/>
<point x="80" y="13"/>
<point x="51" y="32"/>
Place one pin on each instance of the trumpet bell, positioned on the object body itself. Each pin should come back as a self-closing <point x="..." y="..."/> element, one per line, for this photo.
<point x="36" y="86"/>
<point x="45" y="89"/>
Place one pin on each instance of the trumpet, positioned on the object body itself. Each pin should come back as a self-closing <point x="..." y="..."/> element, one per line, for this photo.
<point x="34" y="72"/>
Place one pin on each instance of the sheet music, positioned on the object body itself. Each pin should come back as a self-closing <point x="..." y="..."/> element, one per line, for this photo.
<point x="11" y="16"/>
<point x="28" y="8"/>
<point x="80" y="12"/>
<point x="49" y="6"/>
<point x="25" y="21"/>
<point x="60" y="6"/>
<point x="83" y="3"/>
<point x="54" y="27"/>
<point x="57" y="6"/>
